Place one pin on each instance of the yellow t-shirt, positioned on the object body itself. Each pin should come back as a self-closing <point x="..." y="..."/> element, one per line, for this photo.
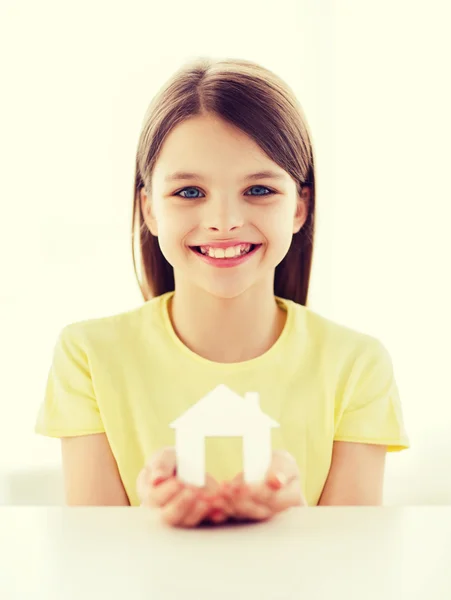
<point x="130" y="376"/>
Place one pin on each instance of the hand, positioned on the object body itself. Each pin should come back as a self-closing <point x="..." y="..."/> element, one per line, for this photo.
<point x="280" y="490"/>
<point x="181" y="505"/>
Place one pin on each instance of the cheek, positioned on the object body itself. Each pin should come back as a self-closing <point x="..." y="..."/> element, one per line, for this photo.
<point x="278" y="230"/>
<point x="168" y="246"/>
<point x="173" y="227"/>
<point x="278" y="226"/>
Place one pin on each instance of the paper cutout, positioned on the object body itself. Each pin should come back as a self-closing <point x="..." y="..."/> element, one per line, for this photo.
<point x="224" y="413"/>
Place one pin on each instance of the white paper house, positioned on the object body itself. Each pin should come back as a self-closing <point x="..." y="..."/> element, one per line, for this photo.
<point x="223" y="413"/>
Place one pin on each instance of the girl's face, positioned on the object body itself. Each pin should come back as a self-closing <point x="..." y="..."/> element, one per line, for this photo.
<point x="221" y="202"/>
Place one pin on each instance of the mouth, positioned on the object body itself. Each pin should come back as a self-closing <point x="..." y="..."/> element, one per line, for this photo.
<point x="251" y="249"/>
<point x="226" y="261"/>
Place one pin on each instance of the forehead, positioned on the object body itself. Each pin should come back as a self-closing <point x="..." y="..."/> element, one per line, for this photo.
<point x="210" y="146"/>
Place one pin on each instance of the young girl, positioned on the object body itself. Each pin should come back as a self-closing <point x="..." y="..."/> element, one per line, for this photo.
<point x="224" y="199"/>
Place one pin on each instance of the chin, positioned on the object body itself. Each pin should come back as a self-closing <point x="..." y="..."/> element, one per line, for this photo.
<point x="225" y="293"/>
<point x="234" y="288"/>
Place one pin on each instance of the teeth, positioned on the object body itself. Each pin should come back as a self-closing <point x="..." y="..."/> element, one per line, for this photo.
<point x="230" y="252"/>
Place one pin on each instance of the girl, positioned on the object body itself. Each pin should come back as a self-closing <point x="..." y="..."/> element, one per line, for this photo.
<point x="224" y="202"/>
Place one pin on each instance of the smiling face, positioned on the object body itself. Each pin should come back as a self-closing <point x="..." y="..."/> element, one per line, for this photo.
<point x="221" y="203"/>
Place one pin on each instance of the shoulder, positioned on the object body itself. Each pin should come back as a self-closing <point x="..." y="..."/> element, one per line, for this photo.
<point x="113" y="329"/>
<point x="338" y="354"/>
<point x="332" y="335"/>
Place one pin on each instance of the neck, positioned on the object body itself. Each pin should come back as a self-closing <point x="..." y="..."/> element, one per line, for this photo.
<point x="227" y="330"/>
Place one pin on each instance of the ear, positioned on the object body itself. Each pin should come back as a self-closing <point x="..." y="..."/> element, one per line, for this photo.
<point x="146" y="208"/>
<point x="302" y="209"/>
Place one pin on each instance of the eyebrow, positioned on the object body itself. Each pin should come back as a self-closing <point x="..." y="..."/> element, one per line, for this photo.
<point x="183" y="175"/>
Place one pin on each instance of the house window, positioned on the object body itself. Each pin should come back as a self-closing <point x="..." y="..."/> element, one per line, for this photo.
<point x="223" y="457"/>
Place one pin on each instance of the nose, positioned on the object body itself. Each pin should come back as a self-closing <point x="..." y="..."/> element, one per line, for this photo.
<point x="223" y="214"/>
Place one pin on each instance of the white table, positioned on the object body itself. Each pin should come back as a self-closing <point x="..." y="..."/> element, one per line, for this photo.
<point x="364" y="553"/>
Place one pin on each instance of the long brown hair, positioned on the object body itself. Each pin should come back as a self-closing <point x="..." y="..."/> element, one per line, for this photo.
<point x="259" y="103"/>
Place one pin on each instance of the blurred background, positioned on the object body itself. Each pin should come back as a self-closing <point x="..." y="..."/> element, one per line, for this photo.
<point x="77" y="79"/>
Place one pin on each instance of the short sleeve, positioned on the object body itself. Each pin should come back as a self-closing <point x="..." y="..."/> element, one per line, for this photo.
<point x="69" y="407"/>
<point x="370" y="408"/>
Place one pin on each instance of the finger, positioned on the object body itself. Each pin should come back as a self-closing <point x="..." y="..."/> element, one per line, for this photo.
<point x="237" y="481"/>
<point x="278" y="494"/>
<point x="257" y="499"/>
<point x="260" y="493"/>
<point x="162" y="464"/>
<point x="211" y="487"/>
<point x="290" y="495"/>
<point x="218" y="516"/>
<point x="175" y="511"/>
<point x="212" y="494"/>
<point x="233" y="494"/>
<point x="217" y="499"/>
<point x="225" y="505"/>
<point x="246" y="508"/>
<point x="283" y="467"/>
<point x="163" y="493"/>
<point x="282" y="476"/>
<point x="221" y="507"/>
<point x="199" y="512"/>
<point x="223" y="500"/>
<point x="268" y="492"/>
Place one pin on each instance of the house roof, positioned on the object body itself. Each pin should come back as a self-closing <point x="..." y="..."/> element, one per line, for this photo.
<point x="223" y="405"/>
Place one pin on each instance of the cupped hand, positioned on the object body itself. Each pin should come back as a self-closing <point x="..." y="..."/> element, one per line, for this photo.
<point x="281" y="489"/>
<point x="181" y="505"/>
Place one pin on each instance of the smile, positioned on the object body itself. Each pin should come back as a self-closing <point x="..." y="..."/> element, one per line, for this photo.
<point x="226" y="261"/>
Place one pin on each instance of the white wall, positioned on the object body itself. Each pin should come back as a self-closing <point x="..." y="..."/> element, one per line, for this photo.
<point x="372" y="82"/>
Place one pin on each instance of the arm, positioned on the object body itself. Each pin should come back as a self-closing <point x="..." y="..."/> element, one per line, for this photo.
<point x="356" y="475"/>
<point x="91" y="476"/>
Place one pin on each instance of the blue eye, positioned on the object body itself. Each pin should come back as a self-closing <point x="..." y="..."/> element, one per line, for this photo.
<point x="262" y="187"/>
<point x="184" y="189"/>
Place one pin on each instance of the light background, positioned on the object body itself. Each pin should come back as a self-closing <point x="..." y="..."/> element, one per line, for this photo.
<point x="77" y="79"/>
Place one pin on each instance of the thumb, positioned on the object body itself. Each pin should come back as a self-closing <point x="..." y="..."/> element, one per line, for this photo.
<point x="162" y="464"/>
<point x="282" y="470"/>
<point x="283" y="477"/>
